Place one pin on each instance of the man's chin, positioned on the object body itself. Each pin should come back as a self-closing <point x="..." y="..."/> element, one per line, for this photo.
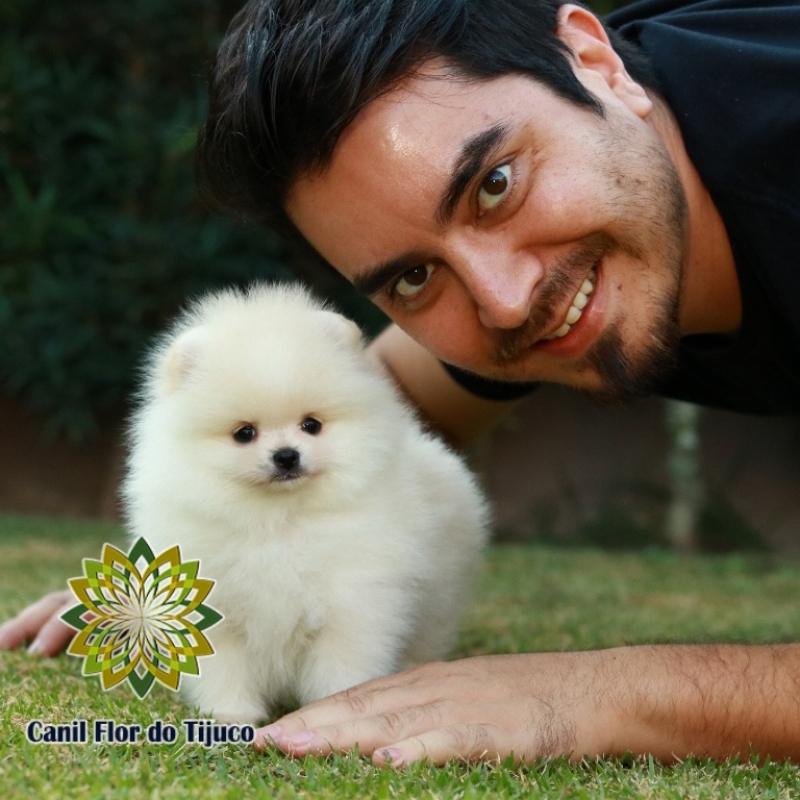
<point x="624" y="381"/>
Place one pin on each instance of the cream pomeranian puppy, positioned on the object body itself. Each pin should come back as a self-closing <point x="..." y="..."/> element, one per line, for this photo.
<point x="342" y="538"/>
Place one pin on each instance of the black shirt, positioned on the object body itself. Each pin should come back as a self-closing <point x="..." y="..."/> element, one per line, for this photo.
<point x="730" y="72"/>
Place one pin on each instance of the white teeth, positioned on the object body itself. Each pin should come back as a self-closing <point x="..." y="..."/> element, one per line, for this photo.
<point x="576" y="309"/>
<point x="562" y="331"/>
<point x="573" y="315"/>
<point x="580" y="300"/>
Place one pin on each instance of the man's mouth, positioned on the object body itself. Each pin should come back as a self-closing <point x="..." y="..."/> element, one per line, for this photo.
<point x="575" y="311"/>
<point x="562" y="334"/>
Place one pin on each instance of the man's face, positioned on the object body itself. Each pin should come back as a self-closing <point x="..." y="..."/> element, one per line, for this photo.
<point x="508" y="231"/>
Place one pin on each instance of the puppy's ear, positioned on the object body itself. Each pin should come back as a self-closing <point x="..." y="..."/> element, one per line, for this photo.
<point x="179" y="359"/>
<point x="345" y="330"/>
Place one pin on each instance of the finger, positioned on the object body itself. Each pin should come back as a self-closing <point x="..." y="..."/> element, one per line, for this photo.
<point x="373" y="698"/>
<point x="32" y="622"/>
<point x="368" y="733"/>
<point x="378" y="698"/>
<point x="54" y="636"/>
<point x="321" y="715"/>
<point x="461" y="742"/>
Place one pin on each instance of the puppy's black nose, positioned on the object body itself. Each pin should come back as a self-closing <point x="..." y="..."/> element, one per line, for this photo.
<point x="286" y="459"/>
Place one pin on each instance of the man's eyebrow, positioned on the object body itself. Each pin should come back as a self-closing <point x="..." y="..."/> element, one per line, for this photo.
<point x="472" y="157"/>
<point x="474" y="153"/>
<point x="372" y="280"/>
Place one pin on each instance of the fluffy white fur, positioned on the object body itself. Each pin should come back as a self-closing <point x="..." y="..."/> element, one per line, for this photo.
<point x="356" y="566"/>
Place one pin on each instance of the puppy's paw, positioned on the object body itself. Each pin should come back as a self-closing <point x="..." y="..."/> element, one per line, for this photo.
<point x="243" y="714"/>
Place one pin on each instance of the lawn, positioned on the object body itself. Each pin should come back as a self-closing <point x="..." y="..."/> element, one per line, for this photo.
<point x="528" y="598"/>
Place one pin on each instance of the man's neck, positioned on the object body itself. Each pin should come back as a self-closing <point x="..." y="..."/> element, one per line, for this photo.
<point x="710" y="298"/>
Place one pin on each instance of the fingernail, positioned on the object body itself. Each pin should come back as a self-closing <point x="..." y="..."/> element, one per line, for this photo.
<point x="300" y="739"/>
<point x="271" y="733"/>
<point x="36" y="648"/>
<point x="390" y="755"/>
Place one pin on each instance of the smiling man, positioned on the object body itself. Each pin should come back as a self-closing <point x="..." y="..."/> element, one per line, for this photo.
<point x="530" y="195"/>
<point x="534" y="196"/>
<point x="516" y="246"/>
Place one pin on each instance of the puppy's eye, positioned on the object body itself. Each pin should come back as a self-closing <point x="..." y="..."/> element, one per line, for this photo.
<point x="311" y="426"/>
<point x="245" y="434"/>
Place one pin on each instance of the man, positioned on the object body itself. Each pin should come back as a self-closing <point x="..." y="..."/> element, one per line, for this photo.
<point x="530" y="198"/>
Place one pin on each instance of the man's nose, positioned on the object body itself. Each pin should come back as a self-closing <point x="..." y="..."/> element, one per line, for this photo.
<point x="502" y="284"/>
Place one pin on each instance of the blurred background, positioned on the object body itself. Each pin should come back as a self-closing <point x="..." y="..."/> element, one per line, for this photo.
<point x="102" y="237"/>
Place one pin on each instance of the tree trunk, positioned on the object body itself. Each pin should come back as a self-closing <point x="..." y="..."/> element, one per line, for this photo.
<point x="685" y="478"/>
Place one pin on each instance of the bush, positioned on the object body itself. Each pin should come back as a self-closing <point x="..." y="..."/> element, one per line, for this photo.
<point x="101" y="231"/>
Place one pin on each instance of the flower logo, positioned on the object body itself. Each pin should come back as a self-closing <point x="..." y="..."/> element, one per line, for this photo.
<point x="140" y="617"/>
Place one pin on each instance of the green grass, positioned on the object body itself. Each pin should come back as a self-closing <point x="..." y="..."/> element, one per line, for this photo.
<point x="529" y="598"/>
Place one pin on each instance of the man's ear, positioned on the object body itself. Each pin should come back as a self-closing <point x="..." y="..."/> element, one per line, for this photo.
<point x="345" y="330"/>
<point x="176" y="363"/>
<point x="595" y="59"/>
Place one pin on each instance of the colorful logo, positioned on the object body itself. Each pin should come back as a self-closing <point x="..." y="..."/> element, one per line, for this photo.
<point x="141" y="617"/>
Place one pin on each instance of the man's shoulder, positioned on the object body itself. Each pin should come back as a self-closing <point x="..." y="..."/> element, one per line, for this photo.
<point x="730" y="72"/>
<point x="708" y="12"/>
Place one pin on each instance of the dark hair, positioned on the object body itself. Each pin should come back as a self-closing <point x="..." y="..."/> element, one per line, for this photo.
<point x="291" y="75"/>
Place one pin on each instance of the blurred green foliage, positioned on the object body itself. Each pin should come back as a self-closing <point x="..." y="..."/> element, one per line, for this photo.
<point x="101" y="231"/>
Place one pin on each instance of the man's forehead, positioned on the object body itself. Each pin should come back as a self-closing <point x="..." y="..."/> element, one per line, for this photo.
<point x="416" y="109"/>
<point x="397" y="158"/>
<point x="428" y="116"/>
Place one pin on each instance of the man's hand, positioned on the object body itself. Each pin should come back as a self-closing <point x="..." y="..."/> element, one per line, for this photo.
<point x="40" y="624"/>
<point x="671" y="701"/>
<point x="475" y="709"/>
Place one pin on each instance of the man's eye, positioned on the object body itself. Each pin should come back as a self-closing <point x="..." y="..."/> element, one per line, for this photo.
<point x="412" y="281"/>
<point x="494" y="187"/>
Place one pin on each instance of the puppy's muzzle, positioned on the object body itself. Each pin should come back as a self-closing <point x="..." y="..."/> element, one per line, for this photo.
<point x="286" y="464"/>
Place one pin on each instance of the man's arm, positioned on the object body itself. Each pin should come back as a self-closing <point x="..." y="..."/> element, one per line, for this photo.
<point x="447" y="407"/>
<point x="672" y="701"/>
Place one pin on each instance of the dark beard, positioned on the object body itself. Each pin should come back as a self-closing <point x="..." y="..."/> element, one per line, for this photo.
<point x="625" y="381"/>
<point x="624" y="376"/>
